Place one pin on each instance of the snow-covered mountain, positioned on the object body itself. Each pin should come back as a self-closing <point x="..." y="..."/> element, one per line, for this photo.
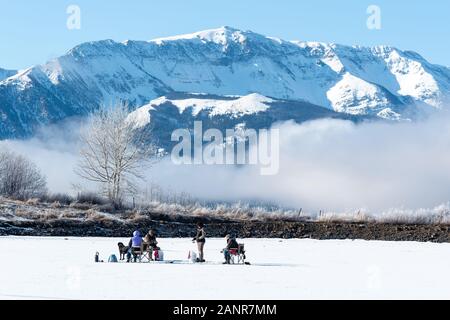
<point x="159" y="118"/>
<point x="379" y="81"/>
<point x="4" y="73"/>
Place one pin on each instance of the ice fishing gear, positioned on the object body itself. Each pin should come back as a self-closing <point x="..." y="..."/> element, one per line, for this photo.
<point x="112" y="259"/>
<point x="192" y="257"/>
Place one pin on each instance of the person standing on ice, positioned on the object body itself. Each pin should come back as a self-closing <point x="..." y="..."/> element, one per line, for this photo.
<point x="200" y="238"/>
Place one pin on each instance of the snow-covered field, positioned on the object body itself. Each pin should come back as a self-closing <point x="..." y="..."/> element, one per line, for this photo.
<point x="42" y="268"/>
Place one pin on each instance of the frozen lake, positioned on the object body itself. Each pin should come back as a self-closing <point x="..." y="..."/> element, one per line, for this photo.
<point x="57" y="268"/>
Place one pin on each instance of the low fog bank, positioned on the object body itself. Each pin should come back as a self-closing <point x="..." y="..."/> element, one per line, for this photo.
<point x="328" y="165"/>
<point x="335" y="165"/>
<point x="54" y="150"/>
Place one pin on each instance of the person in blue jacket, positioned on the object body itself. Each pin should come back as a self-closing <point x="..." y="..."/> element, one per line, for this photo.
<point x="134" y="245"/>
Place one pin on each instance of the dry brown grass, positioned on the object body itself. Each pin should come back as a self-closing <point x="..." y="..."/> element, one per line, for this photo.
<point x="35" y="210"/>
<point x="49" y="215"/>
<point x="81" y="206"/>
<point x="136" y="216"/>
<point x="41" y="215"/>
<point x="72" y="214"/>
<point x="24" y="213"/>
<point x="33" y="202"/>
<point x="56" y="205"/>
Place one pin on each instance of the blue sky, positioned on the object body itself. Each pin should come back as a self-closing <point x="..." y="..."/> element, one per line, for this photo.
<point x="32" y="32"/>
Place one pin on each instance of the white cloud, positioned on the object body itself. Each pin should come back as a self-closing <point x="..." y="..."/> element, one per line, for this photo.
<point x="337" y="165"/>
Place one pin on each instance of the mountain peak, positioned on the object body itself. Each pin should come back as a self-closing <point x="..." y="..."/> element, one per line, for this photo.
<point x="222" y="35"/>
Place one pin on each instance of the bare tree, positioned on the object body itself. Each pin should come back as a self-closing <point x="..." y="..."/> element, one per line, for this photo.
<point x="114" y="153"/>
<point x="19" y="177"/>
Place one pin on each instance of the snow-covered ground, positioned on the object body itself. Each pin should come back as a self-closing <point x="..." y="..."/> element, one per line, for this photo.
<point x="41" y="268"/>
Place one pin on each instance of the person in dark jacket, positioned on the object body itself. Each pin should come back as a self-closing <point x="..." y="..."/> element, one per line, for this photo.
<point x="150" y="243"/>
<point x="200" y="238"/>
<point x="135" y="244"/>
<point x="231" y="245"/>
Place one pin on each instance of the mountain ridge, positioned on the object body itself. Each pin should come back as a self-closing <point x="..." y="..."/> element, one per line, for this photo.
<point x="160" y="117"/>
<point x="378" y="81"/>
<point x="5" y="73"/>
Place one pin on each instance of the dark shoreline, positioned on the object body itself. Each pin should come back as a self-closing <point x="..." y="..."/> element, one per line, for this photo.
<point x="242" y="229"/>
